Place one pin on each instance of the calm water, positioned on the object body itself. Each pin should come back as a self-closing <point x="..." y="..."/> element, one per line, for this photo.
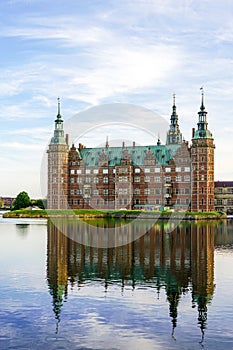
<point x="159" y="291"/>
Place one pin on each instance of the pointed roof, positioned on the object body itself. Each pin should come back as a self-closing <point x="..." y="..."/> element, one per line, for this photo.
<point x="174" y="135"/>
<point x="59" y="117"/>
<point x="202" y="125"/>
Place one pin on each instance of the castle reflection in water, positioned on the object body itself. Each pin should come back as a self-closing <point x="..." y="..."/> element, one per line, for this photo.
<point x="180" y="262"/>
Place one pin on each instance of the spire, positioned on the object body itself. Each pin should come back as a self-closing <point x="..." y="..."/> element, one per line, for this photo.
<point x="174" y="105"/>
<point x="106" y="144"/>
<point x="59" y="117"/>
<point x="202" y="125"/>
<point x="59" y="137"/>
<point x="174" y="135"/>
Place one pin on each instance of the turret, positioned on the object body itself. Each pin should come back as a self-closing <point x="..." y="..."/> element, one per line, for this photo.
<point x="174" y="135"/>
<point x="58" y="166"/>
<point x="202" y="158"/>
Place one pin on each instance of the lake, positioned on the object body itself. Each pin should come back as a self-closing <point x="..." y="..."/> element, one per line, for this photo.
<point x="101" y="284"/>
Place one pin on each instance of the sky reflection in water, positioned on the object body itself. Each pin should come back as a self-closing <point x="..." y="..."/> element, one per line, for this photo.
<point x="162" y="291"/>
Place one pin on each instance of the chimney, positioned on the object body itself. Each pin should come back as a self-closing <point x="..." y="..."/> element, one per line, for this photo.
<point x="123" y="144"/>
<point x="67" y="139"/>
<point x="133" y="144"/>
<point x="193" y="132"/>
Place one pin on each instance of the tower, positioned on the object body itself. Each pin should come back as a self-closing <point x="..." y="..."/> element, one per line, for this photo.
<point x="174" y="135"/>
<point x="202" y="159"/>
<point x="58" y="166"/>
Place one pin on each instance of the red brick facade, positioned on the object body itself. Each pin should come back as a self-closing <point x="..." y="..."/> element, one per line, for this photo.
<point x="132" y="177"/>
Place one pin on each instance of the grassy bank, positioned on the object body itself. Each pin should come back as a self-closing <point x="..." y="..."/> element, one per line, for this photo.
<point x="124" y="214"/>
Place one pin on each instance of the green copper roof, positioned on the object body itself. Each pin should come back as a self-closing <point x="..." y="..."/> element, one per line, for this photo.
<point x="202" y="134"/>
<point x="162" y="153"/>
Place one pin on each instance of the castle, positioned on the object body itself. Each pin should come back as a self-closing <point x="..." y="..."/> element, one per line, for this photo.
<point x="175" y="175"/>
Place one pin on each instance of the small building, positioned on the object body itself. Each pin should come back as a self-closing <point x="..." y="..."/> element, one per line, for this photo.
<point x="6" y="202"/>
<point x="223" y="196"/>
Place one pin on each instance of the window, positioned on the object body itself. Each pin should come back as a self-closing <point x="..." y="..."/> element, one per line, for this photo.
<point x="147" y="191"/>
<point x="125" y="191"/>
<point x="157" y="179"/>
<point x="88" y="171"/>
<point x="202" y="177"/>
<point x="87" y="179"/>
<point x="147" y="179"/>
<point x="137" y="179"/>
<point x="230" y="190"/>
<point x="178" y="201"/>
<point x="54" y="191"/>
<point x="230" y="201"/>
<point x="96" y="180"/>
<point x="62" y="180"/>
<point x="105" y="171"/>
<point x="72" y="192"/>
<point x="219" y="202"/>
<point x="202" y="167"/>
<point x="79" y="180"/>
<point x="79" y="171"/>
<point x="137" y="170"/>
<point x="54" y="180"/>
<point x="187" y="169"/>
<point x="178" y="191"/>
<point x="187" y="190"/>
<point x="87" y="191"/>
<point x="186" y="178"/>
<point x="187" y="201"/>
<point x="95" y="171"/>
<point x="178" y="178"/>
<point x="219" y="190"/>
<point x="137" y="191"/>
<point x="157" y="170"/>
<point x="79" y="191"/>
<point x="168" y="178"/>
<point x="167" y="170"/>
<point x="157" y="201"/>
<point x="178" y="169"/>
<point x="105" y="180"/>
<point x="157" y="191"/>
<point x="95" y="192"/>
<point x="147" y="170"/>
<point x="54" y="170"/>
<point x="72" y="171"/>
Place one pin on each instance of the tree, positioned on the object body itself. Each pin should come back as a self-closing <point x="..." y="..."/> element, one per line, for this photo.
<point x="21" y="201"/>
<point x="39" y="203"/>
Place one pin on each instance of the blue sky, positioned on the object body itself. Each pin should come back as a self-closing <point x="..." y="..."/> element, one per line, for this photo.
<point x="93" y="53"/>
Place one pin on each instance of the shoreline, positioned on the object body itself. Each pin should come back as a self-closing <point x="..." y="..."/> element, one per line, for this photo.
<point x="114" y="214"/>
